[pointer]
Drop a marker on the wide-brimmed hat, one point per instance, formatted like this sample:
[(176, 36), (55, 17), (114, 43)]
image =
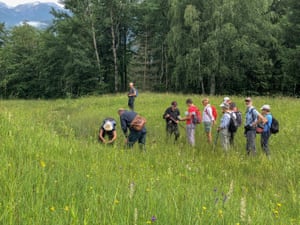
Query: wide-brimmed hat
[(108, 126), (265, 107), (224, 105)]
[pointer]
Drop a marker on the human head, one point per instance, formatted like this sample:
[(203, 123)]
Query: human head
[(131, 84), (248, 101), (265, 108), (174, 104), (226, 100), (232, 106), (108, 126), (225, 107), (120, 111), (205, 101), (189, 101)]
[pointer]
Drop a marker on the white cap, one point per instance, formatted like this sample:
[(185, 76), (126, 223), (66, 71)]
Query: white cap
[(108, 126), (266, 107), (226, 99)]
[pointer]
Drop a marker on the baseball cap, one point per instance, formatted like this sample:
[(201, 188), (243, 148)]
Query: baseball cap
[(226, 99)]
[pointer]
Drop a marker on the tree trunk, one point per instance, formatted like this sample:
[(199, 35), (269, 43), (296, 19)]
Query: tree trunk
[(114, 48)]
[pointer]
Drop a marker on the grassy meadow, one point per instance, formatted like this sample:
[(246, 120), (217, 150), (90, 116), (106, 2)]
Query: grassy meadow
[(54, 170)]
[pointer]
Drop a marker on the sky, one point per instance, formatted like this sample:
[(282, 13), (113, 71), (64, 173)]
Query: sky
[(18, 2)]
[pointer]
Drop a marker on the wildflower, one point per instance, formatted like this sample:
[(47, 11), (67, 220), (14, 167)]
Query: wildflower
[(66, 208), (148, 190), (52, 208), (153, 218), (204, 208), (278, 205), (220, 212), (42, 164), (117, 201), (148, 222)]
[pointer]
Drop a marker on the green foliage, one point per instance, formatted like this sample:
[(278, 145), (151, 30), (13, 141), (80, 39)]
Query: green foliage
[(54, 171)]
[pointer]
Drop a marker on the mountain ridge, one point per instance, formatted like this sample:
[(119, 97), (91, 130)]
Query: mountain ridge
[(36, 14)]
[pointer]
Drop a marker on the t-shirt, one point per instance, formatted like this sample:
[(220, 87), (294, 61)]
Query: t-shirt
[(174, 114), (191, 110)]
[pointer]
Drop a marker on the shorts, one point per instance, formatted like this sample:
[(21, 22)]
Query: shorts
[(207, 126)]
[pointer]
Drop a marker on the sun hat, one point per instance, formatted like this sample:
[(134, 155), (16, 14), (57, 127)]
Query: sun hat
[(108, 126), (224, 105), (265, 107)]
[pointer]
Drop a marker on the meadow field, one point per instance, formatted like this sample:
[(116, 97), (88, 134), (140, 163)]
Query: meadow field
[(54, 170)]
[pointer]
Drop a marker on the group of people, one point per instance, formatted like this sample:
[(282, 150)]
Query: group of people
[(253, 119), (172, 116)]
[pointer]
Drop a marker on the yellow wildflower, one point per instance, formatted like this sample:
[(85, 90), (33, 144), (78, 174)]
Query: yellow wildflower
[(52, 208), (42, 164)]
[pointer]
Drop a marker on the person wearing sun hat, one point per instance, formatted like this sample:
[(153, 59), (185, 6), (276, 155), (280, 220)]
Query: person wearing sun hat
[(108, 128), (251, 121), (265, 135), (224, 127)]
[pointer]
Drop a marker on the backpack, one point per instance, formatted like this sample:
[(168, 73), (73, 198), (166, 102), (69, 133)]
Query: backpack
[(214, 112), (274, 126), (138, 123), (196, 117), (238, 116), (233, 124), (136, 92)]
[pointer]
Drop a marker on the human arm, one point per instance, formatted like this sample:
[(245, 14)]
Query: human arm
[(101, 136), (114, 137)]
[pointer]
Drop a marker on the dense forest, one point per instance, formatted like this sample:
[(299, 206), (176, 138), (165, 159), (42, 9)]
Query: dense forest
[(190, 46)]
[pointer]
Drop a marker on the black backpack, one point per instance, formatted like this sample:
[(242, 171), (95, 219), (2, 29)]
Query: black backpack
[(274, 126), (233, 124), (238, 116)]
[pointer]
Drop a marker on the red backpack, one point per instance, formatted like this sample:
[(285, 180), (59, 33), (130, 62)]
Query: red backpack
[(214, 112)]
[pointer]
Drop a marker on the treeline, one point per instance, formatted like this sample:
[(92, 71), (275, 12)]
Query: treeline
[(199, 46)]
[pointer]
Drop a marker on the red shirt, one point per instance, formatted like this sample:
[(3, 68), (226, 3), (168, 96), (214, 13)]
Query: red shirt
[(192, 109)]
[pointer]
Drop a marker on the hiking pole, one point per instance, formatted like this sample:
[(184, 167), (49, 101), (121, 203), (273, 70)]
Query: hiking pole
[(216, 140)]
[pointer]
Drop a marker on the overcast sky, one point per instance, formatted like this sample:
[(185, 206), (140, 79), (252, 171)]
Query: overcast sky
[(18, 2)]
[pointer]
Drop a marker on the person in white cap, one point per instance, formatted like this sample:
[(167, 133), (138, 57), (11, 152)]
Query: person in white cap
[(227, 100), (108, 128), (265, 135), (253, 117)]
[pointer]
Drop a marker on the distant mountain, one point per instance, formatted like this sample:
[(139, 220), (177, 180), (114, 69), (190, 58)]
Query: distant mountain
[(36, 14)]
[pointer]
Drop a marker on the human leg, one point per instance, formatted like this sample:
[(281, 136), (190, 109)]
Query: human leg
[(250, 146), (264, 141), (190, 131)]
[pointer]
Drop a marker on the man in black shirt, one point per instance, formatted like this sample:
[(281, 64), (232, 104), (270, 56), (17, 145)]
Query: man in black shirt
[(172, 117), (126, 117)]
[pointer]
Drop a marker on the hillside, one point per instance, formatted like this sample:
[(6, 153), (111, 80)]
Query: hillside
[(36, 14)]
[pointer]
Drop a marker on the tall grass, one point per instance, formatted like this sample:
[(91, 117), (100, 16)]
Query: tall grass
[(54, 171)]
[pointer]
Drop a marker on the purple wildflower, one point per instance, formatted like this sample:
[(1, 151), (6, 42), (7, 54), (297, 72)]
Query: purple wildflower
[(153, 218)]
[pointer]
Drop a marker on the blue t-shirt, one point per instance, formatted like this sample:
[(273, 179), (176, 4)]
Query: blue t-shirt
[(268, 124), (251, 116)]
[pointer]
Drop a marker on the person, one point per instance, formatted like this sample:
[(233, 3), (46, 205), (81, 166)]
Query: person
[(126, 117), (108, 128), (208, 119), (131, 96), (238, 116), (227, 100), (190, 126), (224, 126), (172, 117), (252, 116), (265, 135)]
